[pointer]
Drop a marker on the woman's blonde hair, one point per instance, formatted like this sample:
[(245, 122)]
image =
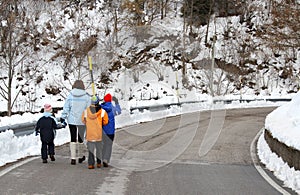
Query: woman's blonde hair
[(78, 84)]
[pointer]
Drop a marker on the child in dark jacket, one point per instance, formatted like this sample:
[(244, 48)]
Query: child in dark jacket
[(109, 129), (46, 126)]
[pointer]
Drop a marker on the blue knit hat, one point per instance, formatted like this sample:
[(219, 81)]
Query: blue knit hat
[(95, 100)]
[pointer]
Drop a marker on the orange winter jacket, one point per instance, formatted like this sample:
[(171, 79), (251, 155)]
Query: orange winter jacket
[(94, 122)]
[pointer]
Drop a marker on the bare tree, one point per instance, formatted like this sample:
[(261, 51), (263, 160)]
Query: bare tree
[(163, 8), (15, 46), (212, 3), (283, 29), (157, 69), (221, 82), (72, 47), (184, 37), (74, 54)]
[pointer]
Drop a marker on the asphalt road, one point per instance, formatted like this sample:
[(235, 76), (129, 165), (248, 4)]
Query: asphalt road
[(197, 153)]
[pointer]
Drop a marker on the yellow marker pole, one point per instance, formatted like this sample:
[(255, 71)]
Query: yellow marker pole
[(91, 72)]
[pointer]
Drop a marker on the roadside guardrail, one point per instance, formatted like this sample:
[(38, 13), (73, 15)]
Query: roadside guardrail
[(28, 128), (20, 129), (227, 101)]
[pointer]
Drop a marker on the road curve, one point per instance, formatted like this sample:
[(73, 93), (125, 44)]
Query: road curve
[(158, 157)]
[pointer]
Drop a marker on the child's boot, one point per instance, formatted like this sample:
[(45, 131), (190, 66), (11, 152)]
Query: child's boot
[(98, 163)]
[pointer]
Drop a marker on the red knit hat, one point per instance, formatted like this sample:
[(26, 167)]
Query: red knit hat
[(47, 108), (107, 98)]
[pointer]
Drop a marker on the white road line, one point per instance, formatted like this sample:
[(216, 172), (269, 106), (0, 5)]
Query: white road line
[(260, 169), (10, 168)]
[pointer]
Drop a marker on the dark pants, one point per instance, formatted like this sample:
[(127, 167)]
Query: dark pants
[(47, 148), (74, 133)]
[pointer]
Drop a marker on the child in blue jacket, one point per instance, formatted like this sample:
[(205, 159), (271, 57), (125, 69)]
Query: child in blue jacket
[(46, 126), (109, 129)]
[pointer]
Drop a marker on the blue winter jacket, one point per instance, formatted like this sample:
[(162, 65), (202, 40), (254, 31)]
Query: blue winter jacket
[(77, 101), (111, 110)]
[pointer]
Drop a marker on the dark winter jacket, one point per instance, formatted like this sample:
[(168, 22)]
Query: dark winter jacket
[(46, 126), (111, 110)]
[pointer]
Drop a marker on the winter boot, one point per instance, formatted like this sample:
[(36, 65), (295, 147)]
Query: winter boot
[(81, 151), (45, 161), (73, 152), (98, 163), (105, 164), (52, 157), (80, 160)]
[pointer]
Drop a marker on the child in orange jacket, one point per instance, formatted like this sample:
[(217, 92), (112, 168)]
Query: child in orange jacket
[(94, 117)]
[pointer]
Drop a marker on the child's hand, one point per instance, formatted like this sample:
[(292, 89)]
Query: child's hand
[(64, 124)]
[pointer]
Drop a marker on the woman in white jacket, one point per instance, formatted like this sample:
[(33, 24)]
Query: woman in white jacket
[(77, 101)]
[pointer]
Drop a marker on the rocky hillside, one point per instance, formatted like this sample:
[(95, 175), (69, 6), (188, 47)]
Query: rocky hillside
[(228, 55)]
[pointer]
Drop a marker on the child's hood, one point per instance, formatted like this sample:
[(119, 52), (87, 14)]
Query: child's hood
[(78, 92), (91, 115)]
